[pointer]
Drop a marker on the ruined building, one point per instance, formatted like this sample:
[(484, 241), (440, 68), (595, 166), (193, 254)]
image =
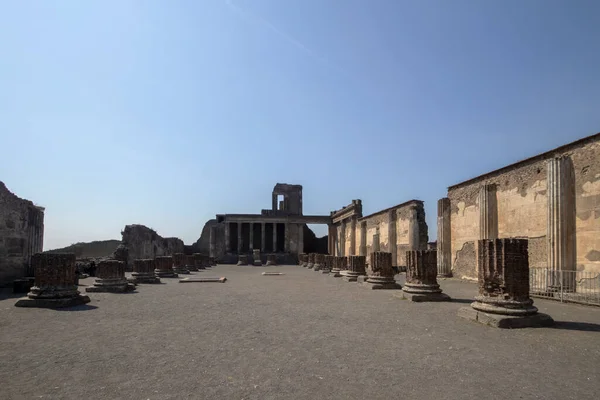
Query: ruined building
[(552, 199), (21, 235), (395, 230), (278, 230)]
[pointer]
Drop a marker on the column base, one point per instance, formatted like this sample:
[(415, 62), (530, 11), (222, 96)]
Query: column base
[(378, 282), (504, 307), (53, 303), (165, 274), (317, 267), (506, 321), (353, 277), (423, 297), (325, 271), (127, 287)]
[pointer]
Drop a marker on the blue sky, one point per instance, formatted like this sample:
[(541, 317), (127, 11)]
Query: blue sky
[(166, 113)]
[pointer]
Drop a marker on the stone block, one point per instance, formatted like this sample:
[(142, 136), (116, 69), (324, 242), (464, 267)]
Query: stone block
[(506, 321)]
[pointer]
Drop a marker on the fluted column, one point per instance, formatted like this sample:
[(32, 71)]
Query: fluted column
[(413, 229), (352, 237), (561, 237), (488, 212), (444, 251), (392, 242)]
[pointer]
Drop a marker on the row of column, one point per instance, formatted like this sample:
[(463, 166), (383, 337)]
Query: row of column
[(561, 214), (263, 242)]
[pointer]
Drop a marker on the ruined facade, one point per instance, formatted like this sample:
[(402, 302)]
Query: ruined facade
[(278, 230), (143, 243), (552, 199), (21, 235), (395, 230)]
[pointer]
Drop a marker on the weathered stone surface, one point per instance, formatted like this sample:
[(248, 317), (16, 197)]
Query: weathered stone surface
[(190, 263), (380, 274), (110, 277), (302, 259), (179, 262), (242, 259), (444, 244), (311, 261), (271, 259), (421, 277), (256, 260), (319, 261), (21, 236), (328, 264), (121, 253), (54, 283), (143, 271), (356, 268), (143, 242), (536, 320), (212, 262), (199, 261), (164, 267)]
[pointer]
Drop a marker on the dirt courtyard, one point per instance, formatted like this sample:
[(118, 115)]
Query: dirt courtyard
[(301, 335)]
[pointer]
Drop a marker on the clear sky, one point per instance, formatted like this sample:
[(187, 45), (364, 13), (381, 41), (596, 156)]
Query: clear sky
[(166, 113)]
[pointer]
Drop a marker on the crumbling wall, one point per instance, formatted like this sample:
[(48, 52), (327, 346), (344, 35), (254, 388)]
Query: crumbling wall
[(143, 242), (202, 245), (21, 235), (522, 208)]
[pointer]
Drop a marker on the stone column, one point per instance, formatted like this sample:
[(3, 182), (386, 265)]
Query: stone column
[(199, 261), (311, 261), (263, 241), (164, 267), (179, 264), (488, 212), (227, 238), (319, 261), (503, 277), (328, 264), (342, 239), (271, 259), (110, 277), (414, 239), (392, 241), (239, 232), (55, 282), (300, 238), (143, 271), (356, 268), (251, 238), (213, 241), (274, 237), (352, 236), (421, 277), (286, 238), (444, 256), (380, 274), (190, 263), (331, 239), (561, 239), (363, 238)]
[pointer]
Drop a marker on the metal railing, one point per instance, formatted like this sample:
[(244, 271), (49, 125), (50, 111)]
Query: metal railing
[(566, 286)]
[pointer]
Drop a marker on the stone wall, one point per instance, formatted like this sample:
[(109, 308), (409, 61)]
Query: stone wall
[(21, 235), (143, 242), (522, 208)]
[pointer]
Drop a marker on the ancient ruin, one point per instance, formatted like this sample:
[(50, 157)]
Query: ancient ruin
[(21, 236), (256, 261), (421, 277), (143, 242), (55, 283), (503, 299), (319, 261), (356, 268), (212, 262), (380, 274), (110, 277), (337, 267), (311, 261), (179, 261), (143, 271), (328, 264), (199, 262), (164, 267), (190, 263)]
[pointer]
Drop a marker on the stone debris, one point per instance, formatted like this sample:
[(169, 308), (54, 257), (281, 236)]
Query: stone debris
[(194, 279)]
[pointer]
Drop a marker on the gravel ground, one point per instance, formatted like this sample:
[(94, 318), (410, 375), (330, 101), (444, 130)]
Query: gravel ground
[(301, 335)]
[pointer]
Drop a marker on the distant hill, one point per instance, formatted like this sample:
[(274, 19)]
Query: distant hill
[(96, 249)]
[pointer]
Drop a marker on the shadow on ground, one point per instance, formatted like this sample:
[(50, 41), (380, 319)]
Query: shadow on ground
[(84, 307), (576, 326)]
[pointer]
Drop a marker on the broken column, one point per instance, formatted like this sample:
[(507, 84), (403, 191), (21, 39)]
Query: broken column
[(271, 259), (356, 268), (503, 278), (343, 265), (242, 259), (380, 274), (319, 260), (337, 265), (327, 264), (421, 277), (110, 277), (444, 256), (54, 285), (179, 264), (311, 261), (256, 258), (143, 271), (164, 267), (561, 236), (190, 263), (198, 261)]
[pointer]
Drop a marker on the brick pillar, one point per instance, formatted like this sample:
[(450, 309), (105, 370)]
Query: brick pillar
[(199, 261), (271, 259), (380, 274), (110, 277), (444, 256), (414, 237), (55, 283), (342, 238), (179, 262), (561, 239), (143, 271), (251, 238), (212, 247), (242, 259), (164, 267), (256, 260), (300, 238), (286, 237), (190, 263), (263, 241), (421, 277), (356, 268)]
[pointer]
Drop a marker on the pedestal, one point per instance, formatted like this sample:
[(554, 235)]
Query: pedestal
[(190, 263), (143, 272), (421, 277), (242, 259), (198, 261), (328, 264), (381, 273), (54, 285), (164, 267), (356, 268), (337, 267), (179, 264), (271, 259), (110, 278), (311, 261)]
